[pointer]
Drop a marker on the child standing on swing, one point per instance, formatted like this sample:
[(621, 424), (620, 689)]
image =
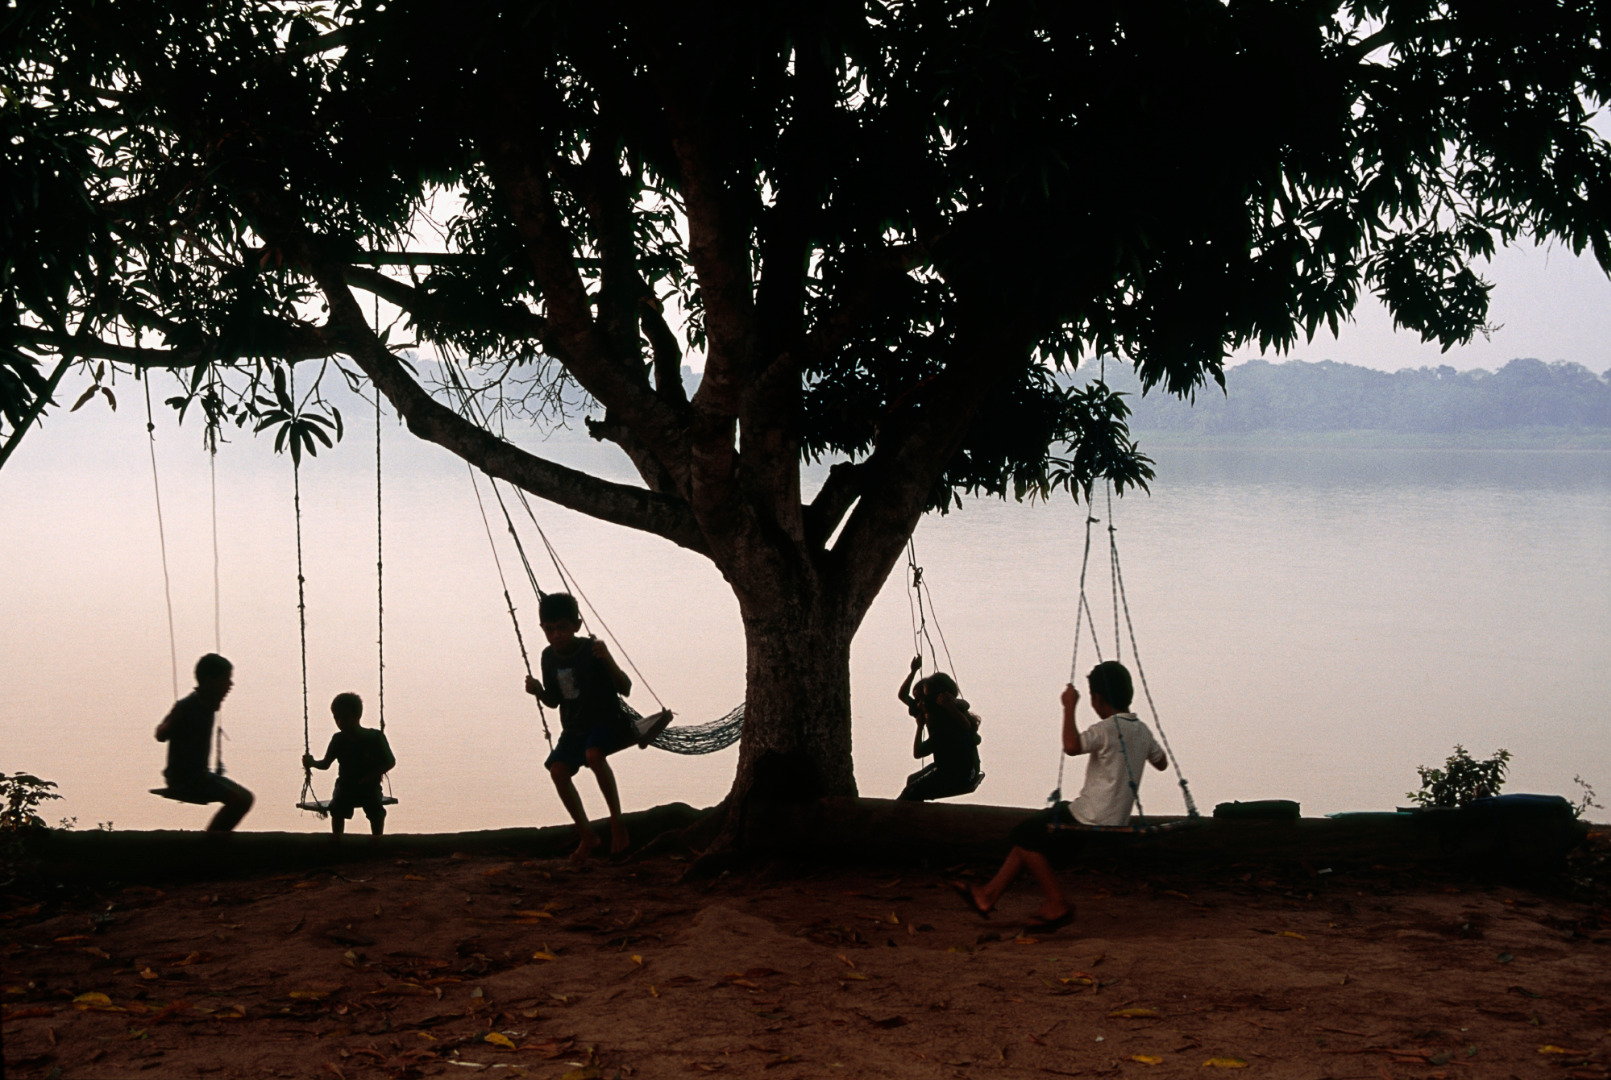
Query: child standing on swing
[(584, 681)]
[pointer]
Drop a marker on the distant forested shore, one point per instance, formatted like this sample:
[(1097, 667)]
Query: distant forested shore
[(1526, 402)]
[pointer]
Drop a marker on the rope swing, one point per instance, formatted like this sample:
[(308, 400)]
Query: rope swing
[(653, 730), (1083, 615)]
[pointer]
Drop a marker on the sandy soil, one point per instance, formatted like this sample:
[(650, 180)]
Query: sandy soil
[(454, 966)]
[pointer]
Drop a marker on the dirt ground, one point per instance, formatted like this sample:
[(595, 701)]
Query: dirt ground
[(465, 964)]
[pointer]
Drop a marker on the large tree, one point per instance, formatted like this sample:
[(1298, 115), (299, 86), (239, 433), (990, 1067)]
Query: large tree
[(883, 226)]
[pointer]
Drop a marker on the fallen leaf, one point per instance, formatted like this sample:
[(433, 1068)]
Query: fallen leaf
[(543, 954), (636, 959), (856, 976), (1134, 1013), (847, 961), (307, 885), (309, 995), (414, 877), (72, 939), (94, 997), (1022, 940), (148, 974), (193, 958), (1293, 934), (498, 1038), (1224, 1063), (23, 1012), (1550, 1048), (1148, 1059), (334, 1070)]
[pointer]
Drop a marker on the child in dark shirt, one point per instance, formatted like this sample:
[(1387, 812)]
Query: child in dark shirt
[(365, 757), (584, 681), (952, 737), (188, 731)]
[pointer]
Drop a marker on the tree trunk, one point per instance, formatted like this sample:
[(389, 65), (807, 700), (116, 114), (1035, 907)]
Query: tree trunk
[(796, 744)]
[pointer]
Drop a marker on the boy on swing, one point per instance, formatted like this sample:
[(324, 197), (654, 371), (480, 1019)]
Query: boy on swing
[(584, 681), (365, 756), (188, 731), (1120, 746)]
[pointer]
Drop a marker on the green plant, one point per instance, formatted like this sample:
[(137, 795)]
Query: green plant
[(20, 797), (1585, 798), (1461, 780)]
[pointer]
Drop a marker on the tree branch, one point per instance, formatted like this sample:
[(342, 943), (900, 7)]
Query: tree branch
[(301, 342), (620, 504)]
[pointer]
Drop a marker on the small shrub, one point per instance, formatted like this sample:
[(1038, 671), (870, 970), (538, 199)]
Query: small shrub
[(20, 798), (1585, 798), (1461, 780)]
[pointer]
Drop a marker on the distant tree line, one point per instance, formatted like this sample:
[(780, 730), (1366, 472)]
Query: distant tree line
[(1329, 396)]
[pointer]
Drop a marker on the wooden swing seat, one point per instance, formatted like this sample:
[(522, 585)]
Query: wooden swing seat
[(1146, 828), (322, 806), (179, 796)]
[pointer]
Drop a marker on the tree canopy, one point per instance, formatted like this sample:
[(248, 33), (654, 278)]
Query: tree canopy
[(884, 224)]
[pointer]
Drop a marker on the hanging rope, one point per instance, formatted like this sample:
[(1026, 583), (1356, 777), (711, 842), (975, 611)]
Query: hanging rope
[(1122, 601), (218, 633), (162, 535), (307, 795), (1082, 611), (520, 639), (380, 582), (920, 603)]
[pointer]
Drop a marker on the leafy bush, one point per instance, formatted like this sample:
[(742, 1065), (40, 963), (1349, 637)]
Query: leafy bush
[(20, 798), (1461, 780)]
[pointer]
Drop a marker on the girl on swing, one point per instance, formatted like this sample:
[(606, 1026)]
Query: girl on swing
[(952, 737)]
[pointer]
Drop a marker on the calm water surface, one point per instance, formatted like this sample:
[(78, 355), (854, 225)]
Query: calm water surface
[(1314, 625)]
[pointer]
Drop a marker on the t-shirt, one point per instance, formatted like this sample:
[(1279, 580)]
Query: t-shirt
[(1107, 797), (361, 752), (586, 688), (190, 734), (951, 740)]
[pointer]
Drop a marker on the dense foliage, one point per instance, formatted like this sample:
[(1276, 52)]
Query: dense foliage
[(1462, 780)]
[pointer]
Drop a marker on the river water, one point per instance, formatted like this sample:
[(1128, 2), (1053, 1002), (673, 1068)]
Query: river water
[(1313, 624)]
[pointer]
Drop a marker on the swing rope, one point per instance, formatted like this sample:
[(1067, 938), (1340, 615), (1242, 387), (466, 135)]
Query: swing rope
[(1135, 654), (380, 582), (1082, 611), (520, 639), (308, 795), (920, 604), (162, 536), (218, 634), (697, 739)]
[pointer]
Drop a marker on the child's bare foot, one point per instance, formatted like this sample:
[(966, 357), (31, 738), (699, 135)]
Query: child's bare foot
[(970, 897), (1049, 922), (585, 845), (619, 840)]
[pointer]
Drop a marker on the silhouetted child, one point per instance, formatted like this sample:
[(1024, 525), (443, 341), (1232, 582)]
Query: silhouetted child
[(952, 737), (365, 757), (584, 681), (188, 731), (1120, 747)]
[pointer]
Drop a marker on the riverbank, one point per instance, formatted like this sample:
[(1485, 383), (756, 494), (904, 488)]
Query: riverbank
[(414, 960)]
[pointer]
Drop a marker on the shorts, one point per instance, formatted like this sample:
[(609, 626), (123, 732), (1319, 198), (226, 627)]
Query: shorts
[(573, 746), (208, 788), (348, 797), (1034, 833)]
